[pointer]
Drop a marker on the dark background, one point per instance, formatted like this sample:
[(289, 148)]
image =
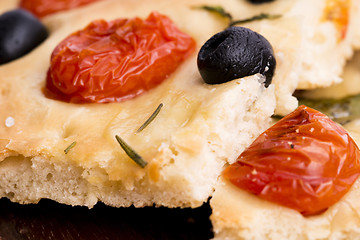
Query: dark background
[(50, 220)]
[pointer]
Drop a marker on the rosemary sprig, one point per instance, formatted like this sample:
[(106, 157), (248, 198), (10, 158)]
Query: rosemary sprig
[(261, 16), (131, 153), (70, 147), (223, 13), (218, 10), (151, 118)]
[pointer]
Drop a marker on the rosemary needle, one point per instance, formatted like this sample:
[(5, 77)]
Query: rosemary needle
[(223, 13), (217, 9), (261, 16), (70, 147), (151, 118), (130, 152)]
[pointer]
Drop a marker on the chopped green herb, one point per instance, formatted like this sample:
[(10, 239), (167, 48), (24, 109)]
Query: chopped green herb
[(69, 147), (130, 152), (223, 13), (151, 118)]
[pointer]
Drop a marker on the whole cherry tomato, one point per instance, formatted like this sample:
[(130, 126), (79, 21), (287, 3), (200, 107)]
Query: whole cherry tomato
[(42, 8), (305, 162), (117, 60)]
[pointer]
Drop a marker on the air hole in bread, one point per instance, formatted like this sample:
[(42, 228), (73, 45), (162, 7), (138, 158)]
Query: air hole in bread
[(49, 176), (174, 152), (10, 195)]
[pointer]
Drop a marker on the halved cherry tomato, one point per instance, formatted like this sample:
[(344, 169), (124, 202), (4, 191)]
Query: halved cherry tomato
[(338, 11), (117, 60), (305, 162), (42, 8)]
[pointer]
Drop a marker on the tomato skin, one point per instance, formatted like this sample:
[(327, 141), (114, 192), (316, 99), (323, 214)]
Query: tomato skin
[(42, 8), (117, 60), (305, 162)]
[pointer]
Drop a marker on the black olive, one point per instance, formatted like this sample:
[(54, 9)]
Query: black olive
[(260, 1), (20, 32), (235, 53)]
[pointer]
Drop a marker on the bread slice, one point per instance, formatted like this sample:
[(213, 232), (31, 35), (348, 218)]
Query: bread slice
[(186, 146), (356, 22), (239, 215), (198, 130), (350, 86), (307, 40), (308, 45)]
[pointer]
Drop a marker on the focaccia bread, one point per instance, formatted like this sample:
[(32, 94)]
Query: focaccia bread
[(199, 128), (308, 37), (310, 43), (238, 214), (348, 87), (356, 20)]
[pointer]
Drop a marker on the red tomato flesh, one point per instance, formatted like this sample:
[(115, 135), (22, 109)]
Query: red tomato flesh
[(117, 60), (305, 162), (42, 8)]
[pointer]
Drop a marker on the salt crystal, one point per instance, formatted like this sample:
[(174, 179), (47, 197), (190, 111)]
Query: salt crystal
[(9, 122)]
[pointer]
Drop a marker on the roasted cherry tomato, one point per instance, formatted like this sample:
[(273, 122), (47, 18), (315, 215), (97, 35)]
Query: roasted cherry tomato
[(41, 8), (305, 162), (117, 60), (338, 11)]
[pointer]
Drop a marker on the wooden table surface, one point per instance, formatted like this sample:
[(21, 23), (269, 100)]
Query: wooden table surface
[(49, 220)]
